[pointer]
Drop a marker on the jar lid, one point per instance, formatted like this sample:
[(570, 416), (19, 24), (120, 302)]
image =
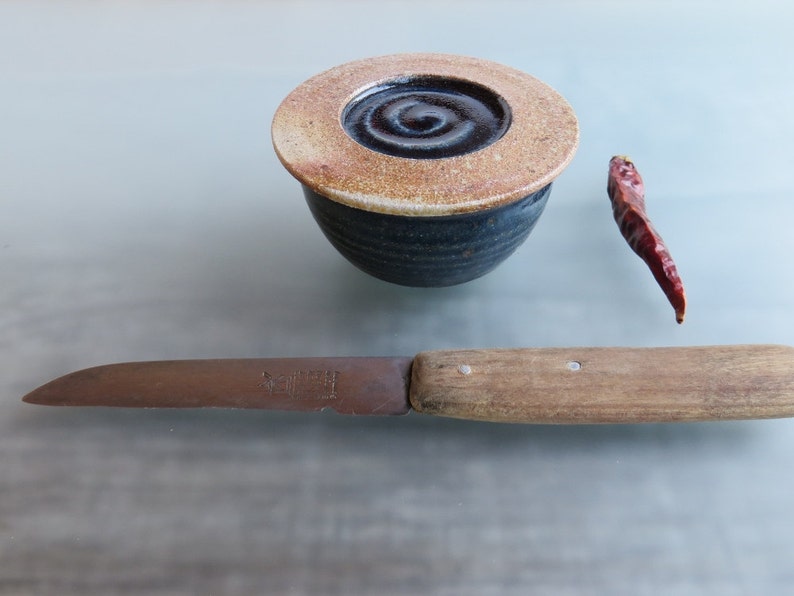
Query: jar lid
[(424, 134)]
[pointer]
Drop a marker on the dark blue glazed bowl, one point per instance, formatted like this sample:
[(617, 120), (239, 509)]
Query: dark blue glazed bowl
[(425, 169), (427, 251)]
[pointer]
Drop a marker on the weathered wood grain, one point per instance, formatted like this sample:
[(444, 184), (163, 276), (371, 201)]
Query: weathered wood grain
[(606, 385)]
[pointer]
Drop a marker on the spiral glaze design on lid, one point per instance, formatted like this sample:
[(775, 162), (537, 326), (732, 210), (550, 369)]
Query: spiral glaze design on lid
[(419, 163), (427, 118)]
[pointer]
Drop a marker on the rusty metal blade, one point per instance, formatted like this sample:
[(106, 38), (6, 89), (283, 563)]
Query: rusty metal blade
[(357, 386)]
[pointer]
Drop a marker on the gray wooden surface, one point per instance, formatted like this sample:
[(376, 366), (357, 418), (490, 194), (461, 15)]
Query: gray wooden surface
[(143, 215)]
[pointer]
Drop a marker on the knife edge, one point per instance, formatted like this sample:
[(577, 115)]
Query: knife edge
[(353, 386)]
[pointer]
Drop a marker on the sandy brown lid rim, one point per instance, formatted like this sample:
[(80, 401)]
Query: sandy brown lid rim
[(310, 141)]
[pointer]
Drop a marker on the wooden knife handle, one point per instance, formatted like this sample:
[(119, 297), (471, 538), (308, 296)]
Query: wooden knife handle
[(606, 385)]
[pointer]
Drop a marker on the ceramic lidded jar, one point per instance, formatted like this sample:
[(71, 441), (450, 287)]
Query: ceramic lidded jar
[(425, 169)]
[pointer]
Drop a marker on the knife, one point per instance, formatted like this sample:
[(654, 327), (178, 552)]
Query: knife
[(532, 385)]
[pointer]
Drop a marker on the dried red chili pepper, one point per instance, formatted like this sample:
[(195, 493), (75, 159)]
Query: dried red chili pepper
[(627, 193)]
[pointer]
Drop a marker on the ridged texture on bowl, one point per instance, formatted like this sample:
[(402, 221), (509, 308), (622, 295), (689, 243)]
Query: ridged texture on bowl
[(427, 251)]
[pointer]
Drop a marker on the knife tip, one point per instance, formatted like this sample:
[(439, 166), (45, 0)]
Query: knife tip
[(67, 390), (49, 394), (36, 398)]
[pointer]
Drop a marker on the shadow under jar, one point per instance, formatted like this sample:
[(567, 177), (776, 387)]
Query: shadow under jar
[(425, 169)]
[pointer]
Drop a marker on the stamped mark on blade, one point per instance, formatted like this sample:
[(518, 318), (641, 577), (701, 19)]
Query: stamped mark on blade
[(302, 384)]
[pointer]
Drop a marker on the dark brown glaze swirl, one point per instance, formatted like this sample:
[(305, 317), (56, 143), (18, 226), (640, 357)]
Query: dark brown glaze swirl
[(426, 118)]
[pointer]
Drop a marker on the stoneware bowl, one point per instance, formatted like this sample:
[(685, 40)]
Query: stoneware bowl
[(425, 169)]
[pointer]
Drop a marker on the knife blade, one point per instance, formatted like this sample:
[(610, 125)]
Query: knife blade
[(528, 385)]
